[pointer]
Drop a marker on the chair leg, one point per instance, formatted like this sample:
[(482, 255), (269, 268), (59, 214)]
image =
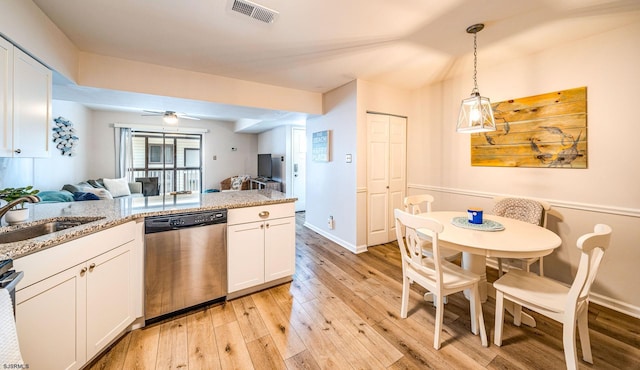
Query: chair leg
[(583, 331), (405, 297), (499, 266), (439, 318), (569, 342), (478, 316), (497, 335), (541, 267)]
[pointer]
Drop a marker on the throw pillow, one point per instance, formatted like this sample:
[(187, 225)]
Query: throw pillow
[(236, 183), (117, 187), (80, 196), (96, 184), (101, 193), (55, 196), (72, 188)]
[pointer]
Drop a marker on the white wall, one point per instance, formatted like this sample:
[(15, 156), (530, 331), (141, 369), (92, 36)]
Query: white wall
[(607, 191), (24, 24), (217, 142), (277, 141), (53, 172), (331, 186)]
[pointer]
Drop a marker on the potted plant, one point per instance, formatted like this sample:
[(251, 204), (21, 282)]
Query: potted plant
[(18, 213)]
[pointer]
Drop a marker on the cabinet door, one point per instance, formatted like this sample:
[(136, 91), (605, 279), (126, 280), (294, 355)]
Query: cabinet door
[(51, 317), (31, 106), (109, 297), (245, 255), (6, 91), (279, 248)]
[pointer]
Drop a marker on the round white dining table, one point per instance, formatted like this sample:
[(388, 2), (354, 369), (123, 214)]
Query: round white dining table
[(518, 240)]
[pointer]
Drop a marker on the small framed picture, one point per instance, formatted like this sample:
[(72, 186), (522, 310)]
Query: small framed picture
[(320, 146)]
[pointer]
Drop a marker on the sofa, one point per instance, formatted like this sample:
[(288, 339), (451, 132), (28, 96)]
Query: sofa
[(93, 190), (236, 183)]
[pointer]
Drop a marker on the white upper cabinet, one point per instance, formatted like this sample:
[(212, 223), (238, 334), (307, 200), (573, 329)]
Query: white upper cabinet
[(6, 98), (25, 104)]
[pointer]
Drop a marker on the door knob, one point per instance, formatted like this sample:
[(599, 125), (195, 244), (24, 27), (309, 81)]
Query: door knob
[(18, 151)]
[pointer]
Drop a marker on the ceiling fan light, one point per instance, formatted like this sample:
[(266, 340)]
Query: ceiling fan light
[(476, 115), (170, 118)]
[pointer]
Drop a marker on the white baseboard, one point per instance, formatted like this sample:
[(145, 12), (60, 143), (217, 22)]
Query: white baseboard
[(348, 246)]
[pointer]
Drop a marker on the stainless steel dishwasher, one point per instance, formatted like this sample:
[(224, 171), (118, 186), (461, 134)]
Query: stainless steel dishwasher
[(185, 262)]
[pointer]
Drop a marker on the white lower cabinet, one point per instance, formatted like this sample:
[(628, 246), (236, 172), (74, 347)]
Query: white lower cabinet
[(50, 317), (65, 319), (260, 251), (109, 303)]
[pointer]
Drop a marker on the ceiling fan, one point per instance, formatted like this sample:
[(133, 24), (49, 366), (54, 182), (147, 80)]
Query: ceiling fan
[(168, 116)]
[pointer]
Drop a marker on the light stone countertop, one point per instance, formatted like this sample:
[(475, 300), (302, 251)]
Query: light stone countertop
[(121, 210)]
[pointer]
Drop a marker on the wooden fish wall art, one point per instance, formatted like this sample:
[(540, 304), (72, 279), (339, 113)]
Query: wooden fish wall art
[(547, 130)]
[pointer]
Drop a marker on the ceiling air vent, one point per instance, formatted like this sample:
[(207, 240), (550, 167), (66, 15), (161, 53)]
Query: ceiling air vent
[(254, 10)]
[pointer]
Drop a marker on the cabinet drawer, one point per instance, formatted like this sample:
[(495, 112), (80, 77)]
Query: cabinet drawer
[(260, 213), (40, 265)]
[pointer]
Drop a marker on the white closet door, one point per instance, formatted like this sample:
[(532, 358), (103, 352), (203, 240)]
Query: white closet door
[(397, 168), (386, 174)]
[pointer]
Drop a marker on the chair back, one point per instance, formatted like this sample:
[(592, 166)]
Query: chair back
[(411, 245), (412, 203), (593, 246), (522, 209)]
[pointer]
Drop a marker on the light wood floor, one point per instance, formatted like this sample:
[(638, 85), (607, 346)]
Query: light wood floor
[(342, 312)]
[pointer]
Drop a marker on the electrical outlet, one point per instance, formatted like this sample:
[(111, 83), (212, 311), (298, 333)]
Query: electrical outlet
[(330, 223)]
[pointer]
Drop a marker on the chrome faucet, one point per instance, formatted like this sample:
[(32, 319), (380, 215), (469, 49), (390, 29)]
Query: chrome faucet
[(27, 198)]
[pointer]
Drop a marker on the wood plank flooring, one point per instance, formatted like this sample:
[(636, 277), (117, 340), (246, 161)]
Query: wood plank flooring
[(341, 311)]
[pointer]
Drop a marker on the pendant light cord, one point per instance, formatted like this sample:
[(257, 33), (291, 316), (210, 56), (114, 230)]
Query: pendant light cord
[(475, 63)]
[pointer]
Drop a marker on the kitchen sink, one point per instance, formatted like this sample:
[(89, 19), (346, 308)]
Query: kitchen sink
[(47, 227)]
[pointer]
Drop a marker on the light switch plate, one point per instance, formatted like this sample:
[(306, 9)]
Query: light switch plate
[(348, 158)]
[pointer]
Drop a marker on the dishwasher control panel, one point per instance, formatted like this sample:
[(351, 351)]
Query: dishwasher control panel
[(156, 224)]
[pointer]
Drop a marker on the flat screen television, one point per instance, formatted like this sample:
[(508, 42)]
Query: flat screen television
[(264, 166)]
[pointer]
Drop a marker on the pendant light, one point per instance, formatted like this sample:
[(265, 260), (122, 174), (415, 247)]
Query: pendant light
[(476, 114)]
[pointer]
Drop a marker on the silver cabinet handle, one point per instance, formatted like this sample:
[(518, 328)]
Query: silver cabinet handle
[(18, 151), (263, 214)]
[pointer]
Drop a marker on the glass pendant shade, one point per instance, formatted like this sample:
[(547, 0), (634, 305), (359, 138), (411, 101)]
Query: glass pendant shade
[(476, 115)]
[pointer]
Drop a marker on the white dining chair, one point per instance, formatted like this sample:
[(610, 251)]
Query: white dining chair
[(434, 273), (527, 210), (567, 305), (416, 204)]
